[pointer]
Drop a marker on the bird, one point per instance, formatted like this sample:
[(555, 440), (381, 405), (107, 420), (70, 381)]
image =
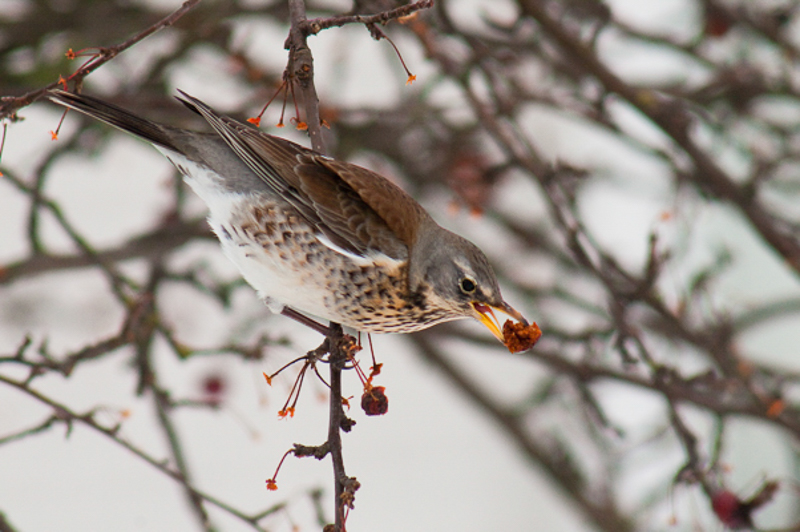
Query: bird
[(317, 235)]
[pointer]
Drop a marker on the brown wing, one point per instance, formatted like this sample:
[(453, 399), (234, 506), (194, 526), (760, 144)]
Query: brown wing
[(356, 209), (398, 210)]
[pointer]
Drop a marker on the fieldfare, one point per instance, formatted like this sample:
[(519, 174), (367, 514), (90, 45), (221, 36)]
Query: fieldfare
[(321, 236)]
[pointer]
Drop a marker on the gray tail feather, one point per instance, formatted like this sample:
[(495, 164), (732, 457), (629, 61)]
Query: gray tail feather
[(115, 116), (192, 103)]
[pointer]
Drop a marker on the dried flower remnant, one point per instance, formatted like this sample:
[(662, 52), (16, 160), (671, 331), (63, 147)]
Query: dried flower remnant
[(776, 408), (374, 401)]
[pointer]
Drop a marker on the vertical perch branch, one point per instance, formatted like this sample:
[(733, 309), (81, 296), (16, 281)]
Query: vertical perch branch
[(335, 418), (300, 70)]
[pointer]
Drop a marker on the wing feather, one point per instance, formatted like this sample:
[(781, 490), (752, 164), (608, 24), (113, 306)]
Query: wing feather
[(356, 209)]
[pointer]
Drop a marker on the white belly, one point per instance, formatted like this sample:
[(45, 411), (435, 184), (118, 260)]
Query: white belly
[(287, 263)]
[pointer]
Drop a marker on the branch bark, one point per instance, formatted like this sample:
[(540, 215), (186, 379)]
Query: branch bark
[(9, 105), (300, 68), (674, 119)]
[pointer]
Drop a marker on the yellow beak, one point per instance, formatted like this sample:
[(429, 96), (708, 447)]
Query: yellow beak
[(487, 317)]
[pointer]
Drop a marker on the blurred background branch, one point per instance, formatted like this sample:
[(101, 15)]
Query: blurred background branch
[(632, 172)]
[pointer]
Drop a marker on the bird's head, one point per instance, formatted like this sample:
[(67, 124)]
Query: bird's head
[(459, 278)]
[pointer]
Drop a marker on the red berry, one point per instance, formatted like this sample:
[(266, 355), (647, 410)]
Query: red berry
[(730, 510), (214, 388), (374, 402)]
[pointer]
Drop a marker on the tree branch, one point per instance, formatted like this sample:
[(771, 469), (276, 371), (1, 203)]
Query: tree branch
[(9, 105), (314, 26)]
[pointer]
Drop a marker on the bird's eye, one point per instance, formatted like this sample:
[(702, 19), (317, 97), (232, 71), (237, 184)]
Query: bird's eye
[(468, 285)]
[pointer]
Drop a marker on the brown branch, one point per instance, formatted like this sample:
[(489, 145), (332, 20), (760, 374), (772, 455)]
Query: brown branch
[(598, 507), (335, 417), (301, 69), (5, 525), (10, 105), (163, 408), (673, 118), (718, 395), (630, 315), (305, 320), (314, 26), (148, 245), (143, 334), (69, 417)]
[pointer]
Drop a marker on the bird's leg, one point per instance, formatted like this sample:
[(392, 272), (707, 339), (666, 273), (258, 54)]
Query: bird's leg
[(305, 320)]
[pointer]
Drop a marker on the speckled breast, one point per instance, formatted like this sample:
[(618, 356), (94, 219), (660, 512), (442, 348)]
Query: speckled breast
[(282, 257)]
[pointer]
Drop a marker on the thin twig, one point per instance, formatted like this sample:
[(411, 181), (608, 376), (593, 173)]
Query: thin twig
[(68, 416), (602, 513), (9, 105), (674, 119), (316, 25)]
